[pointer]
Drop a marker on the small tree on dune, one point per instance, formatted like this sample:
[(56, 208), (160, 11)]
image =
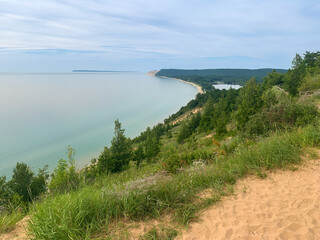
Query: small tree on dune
[(117, 157)]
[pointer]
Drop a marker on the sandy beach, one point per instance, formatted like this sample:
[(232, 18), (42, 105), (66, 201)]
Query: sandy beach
[(200, 90), (154, 72), (285, 205)]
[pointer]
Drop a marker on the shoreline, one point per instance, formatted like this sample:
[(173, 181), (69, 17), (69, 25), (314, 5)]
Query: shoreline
[(154, 72), (200, 90)]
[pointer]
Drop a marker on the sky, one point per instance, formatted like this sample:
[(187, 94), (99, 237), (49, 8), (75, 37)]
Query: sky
[(142, 35)]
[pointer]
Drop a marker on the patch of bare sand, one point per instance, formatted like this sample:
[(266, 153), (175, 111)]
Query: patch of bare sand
[(152, 73), (285, 205), (18, 233), (184, 116)]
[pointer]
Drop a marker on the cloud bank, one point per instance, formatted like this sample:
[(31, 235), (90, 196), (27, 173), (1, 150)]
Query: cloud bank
[(56, 35)]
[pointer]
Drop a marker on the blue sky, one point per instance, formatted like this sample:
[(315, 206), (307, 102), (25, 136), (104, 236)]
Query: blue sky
[(62, 35)]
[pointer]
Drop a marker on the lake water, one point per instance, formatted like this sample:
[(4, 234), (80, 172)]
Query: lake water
[(41, 114), (226, 86)]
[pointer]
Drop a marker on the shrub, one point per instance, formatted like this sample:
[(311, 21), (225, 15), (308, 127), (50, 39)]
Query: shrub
[(310, 83), (173, 163), (283, 115), (176, 161), (65, 177)]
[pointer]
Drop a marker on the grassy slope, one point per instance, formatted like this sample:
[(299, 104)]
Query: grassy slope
[(139, 195)]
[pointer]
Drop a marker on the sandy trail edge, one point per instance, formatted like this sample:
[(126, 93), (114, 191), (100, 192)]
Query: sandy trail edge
[(283, 206), (18, 233)]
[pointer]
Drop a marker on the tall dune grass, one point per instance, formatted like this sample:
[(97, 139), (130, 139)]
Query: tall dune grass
[(80, 214), (9, 220)]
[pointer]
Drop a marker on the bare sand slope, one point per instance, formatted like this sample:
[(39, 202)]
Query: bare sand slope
[(285, 205)]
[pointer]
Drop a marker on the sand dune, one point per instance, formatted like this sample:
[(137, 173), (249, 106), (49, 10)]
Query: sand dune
[(285, 205)]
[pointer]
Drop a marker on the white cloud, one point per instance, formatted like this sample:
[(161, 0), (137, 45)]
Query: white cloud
[(154, 28)]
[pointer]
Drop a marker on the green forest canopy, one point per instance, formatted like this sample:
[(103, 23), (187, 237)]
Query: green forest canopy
[(235, 76)]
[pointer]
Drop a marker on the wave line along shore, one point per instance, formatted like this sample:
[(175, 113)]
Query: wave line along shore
[(154, 72)]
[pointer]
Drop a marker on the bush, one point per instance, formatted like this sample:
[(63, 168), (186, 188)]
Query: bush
[(173, 163), (310, 83), (283, 115), (65, 177), (176, 161)]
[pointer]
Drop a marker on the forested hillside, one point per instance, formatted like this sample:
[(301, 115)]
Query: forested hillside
[(207, 77), (218, 138)]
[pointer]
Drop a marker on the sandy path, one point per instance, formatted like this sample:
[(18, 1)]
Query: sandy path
[(18, 233), (285, 205)]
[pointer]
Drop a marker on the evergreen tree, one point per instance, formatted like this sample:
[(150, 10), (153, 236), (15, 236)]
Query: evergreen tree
[(21, 181), (120, 149), (207, 121), (152, 147), (195, 122), (249, 102), (105, 161), (187, 129), (272, 79), (184, 132), (138, 156), (221, 124), (300, 67), (117, 157)]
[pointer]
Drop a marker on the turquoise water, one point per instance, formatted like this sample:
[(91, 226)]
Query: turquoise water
[(41, 114)]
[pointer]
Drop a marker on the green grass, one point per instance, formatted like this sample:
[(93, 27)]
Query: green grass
[(9, 220), (81, 214), (160, 234)]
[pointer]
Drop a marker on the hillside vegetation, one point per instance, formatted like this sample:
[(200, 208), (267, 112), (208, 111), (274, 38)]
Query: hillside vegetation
[(207, 77), (173, 170)]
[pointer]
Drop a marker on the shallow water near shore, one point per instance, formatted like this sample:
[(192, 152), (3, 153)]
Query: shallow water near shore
[(41, 114)]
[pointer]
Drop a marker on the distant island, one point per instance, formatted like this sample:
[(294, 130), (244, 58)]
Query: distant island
[(97, 71)]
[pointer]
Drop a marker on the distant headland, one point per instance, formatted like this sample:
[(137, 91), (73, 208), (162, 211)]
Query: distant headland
[(215, 76), (153, 72)]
